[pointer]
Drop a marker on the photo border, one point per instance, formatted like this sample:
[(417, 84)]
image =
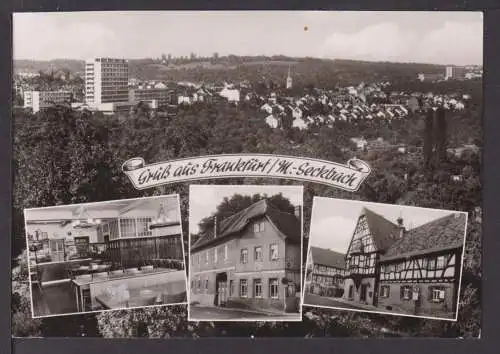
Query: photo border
[(177, 197), (454, 319), (235, 187)]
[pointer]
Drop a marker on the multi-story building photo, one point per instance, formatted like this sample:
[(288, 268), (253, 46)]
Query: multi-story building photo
[(399, 260), (106, 255), (106, 84), (245, 258)]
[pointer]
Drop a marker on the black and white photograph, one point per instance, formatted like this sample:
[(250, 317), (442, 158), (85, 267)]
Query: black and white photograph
[(385, 258), (105, 256), (399, 91), (245, 253)]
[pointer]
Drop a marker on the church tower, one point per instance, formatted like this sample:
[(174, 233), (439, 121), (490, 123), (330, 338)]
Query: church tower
[(289, 79)]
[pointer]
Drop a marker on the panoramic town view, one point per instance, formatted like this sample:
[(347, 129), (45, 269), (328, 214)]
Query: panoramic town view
[(391, 89)]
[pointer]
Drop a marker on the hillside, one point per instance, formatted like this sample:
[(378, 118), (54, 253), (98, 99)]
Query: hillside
[(305, 71)]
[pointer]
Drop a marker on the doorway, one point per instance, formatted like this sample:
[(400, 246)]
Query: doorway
[(362, 295), (57, 251), (221, 291)]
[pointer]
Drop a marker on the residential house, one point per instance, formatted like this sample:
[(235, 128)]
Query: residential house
[(325, 272), (252, 259)]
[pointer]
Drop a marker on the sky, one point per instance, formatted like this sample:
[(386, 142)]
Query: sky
[(454, 38), (203, 199), (333, 220)]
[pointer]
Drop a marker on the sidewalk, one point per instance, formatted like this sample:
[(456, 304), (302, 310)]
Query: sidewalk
[(270, 313), (357, 305)]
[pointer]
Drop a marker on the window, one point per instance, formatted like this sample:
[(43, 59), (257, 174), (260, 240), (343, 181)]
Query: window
[(257, 288), (405, 292), (215, 255), (273, 288), (244, 256), (225, 252), (143, 227), (127, 228), (221, 253), (259, 227), (258, 253), (385, 291), (231, 287), (273, 252), (206, 284), (243, 288), (206, 257), (437, 294), (431, 264), (440, 262)]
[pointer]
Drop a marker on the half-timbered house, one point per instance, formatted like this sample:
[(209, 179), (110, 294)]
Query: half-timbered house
[(372, 236), (325, 271), (414, 271), (420, 273)]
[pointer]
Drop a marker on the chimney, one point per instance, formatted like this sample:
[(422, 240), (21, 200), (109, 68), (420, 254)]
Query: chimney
[(401, 227), (297, 211)]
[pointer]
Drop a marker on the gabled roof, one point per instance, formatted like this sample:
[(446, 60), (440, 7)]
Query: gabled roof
[(445, 233), (287, 223), (383, 231), (323, 256)]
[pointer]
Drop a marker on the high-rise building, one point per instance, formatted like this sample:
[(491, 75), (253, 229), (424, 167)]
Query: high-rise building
[(448, 72), (106, 82)]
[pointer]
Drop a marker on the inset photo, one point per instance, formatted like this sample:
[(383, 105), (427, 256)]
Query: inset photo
[(385, 258), (245, 253), (102, 256)]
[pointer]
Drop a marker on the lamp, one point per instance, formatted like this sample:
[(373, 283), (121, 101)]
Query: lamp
[(84, 220)]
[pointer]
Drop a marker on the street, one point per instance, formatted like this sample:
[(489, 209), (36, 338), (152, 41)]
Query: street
[(197, 313), (313, 299)]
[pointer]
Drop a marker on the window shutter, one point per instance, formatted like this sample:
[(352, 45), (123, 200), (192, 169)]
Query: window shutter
[(430, 289), (441, 294)]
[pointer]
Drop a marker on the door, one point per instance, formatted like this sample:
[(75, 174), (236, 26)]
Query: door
[(222, 293), (351, 291), (362, 295), (82, 245), (56, 250)]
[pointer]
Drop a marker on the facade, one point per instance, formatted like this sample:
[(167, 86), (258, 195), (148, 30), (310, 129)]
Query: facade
[(252, 260), (38, 100), (325, 272), (162, 96), (106, 82), (414, 271)]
